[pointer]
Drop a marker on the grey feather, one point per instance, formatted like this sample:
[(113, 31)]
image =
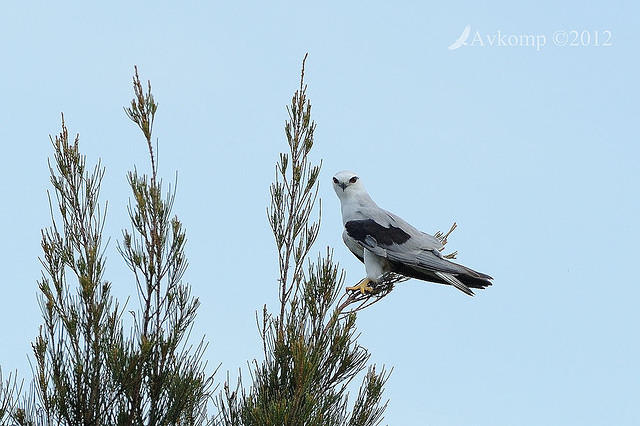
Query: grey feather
[(455, 282)]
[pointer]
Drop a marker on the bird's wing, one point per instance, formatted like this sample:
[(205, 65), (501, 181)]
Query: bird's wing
[(399, 246), (388, 236), (426, 241), (355, 247)]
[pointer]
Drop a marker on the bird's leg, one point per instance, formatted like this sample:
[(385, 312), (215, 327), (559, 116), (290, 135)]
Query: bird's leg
[(363, 286)]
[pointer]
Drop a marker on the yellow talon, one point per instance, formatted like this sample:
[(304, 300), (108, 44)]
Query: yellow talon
[(362, 286)]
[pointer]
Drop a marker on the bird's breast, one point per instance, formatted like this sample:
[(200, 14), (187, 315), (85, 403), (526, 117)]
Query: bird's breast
[(352, 211)]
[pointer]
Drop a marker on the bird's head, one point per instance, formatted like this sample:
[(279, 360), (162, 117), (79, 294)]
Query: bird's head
[(347, 184)]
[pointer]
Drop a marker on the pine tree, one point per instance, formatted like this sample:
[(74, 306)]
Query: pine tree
[(9, 389), (161, 379), (311, 353), (88, 370), (81, 321)]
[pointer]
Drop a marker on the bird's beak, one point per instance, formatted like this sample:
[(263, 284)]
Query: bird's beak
[(343, 186)]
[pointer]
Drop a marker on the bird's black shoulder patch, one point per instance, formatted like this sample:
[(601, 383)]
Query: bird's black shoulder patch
[(360, 229)]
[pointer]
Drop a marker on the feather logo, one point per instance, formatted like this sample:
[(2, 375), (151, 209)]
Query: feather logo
[(462, 40)]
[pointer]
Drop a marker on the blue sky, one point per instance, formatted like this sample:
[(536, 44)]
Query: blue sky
[(533, 152)]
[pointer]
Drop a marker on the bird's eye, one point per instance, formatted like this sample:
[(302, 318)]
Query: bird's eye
[(335, 181), (353, 179)]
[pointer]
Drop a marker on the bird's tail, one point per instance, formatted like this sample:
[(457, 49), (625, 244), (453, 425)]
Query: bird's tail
[(451, 279), (473, 279), (461, 277)]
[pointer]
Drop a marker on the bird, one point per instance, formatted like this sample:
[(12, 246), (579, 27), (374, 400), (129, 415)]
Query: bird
[(462, 40), (386, 243)]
